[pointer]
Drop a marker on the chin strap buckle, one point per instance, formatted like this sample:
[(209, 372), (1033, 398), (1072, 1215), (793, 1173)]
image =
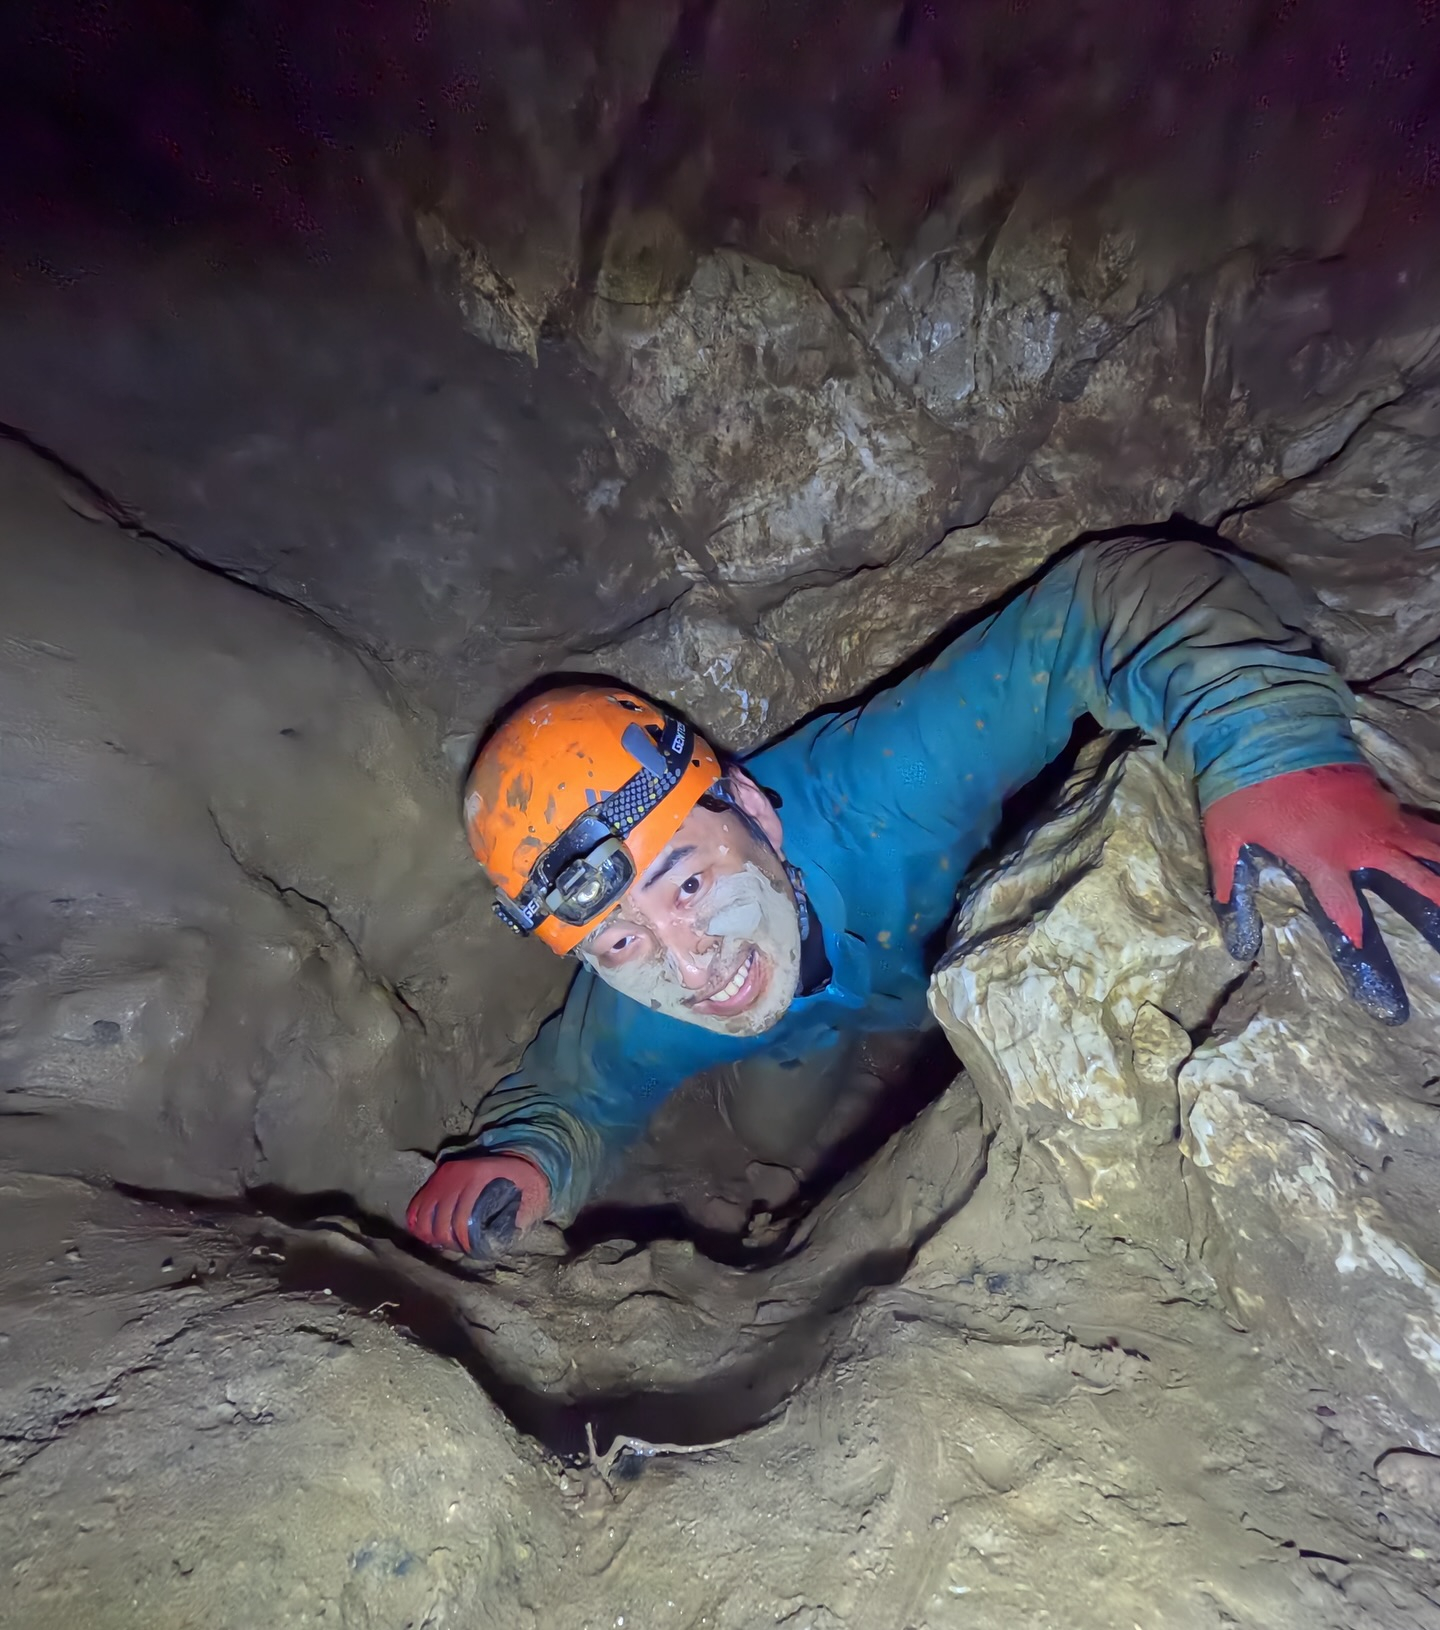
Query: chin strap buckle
[(802, 900)]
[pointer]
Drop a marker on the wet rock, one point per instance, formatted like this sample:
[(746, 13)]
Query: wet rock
[(239, 913), (1358, 534), (788, 455), (859, 455), (709, 658), (720, 1345), (1246, 1127)]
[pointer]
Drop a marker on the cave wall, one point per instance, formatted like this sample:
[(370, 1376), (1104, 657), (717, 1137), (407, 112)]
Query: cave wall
[(587, 357), (804, 332), (240, 921), (735, 350)]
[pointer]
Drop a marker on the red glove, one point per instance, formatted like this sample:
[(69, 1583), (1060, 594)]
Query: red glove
[(478, 1205), (1334, 830)]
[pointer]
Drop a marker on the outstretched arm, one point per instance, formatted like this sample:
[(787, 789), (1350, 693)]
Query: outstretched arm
[(1171, 637), (1163, 635)]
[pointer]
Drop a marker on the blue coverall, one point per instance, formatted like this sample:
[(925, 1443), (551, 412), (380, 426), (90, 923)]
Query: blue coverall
[(884, 806)]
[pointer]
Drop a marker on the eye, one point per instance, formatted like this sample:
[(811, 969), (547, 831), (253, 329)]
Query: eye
[(615, 947), (691, 886)]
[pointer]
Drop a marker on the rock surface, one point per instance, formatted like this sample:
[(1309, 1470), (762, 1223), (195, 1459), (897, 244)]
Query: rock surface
[(1245, 1131), (239, 913), (638, 343), (397, 367), (1013, 1383), (193, 1448)]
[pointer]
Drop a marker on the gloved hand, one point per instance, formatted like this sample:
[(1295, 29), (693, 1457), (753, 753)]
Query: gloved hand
[(478, 1205), (1334, 830)]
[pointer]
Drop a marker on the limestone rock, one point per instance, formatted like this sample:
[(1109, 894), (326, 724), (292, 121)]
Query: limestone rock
[(1248, 1125), (1359, 532), (788, 455), (709, 658), (494, 309), (979, 391), (246, 912)]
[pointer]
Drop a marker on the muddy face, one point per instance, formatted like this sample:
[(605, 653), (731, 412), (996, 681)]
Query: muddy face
[(710, 934)]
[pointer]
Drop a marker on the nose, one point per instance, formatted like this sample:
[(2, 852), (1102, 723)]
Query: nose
[(693, 956)]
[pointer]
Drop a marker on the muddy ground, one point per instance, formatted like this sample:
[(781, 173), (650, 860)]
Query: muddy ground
[(998, 1424)]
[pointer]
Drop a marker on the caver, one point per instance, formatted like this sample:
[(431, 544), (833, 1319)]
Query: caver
[(767, 910)]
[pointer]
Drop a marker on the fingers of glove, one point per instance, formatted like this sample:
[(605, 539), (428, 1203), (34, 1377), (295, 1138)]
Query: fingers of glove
[(437, 1206), (1239, 912), (421, 1213), (1333, 890), (1364, 962), (1419, 907), (493, 1218), (1422, 838), (455, 1216), (440, 1210), (1223, 848), (1419, 876), (1237, 908)]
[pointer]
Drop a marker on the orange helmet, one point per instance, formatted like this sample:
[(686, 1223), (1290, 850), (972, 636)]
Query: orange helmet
[(573, 797)]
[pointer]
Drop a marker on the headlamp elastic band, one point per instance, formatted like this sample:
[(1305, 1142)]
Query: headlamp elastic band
[(585, 858)]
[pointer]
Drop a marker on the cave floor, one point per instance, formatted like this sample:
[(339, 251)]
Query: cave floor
[(998, 1417)]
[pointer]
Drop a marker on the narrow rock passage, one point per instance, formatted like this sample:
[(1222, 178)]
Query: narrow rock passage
[(358, 371)]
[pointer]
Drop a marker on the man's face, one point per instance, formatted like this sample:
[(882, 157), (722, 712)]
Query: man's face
[(710, 932)]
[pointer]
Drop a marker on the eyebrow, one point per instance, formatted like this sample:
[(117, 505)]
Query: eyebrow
[(665, 863)]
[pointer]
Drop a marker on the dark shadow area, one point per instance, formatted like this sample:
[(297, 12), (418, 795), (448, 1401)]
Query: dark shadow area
[(305, 1258), (904, 1094), (717, 1406), (274, 124), (905, 1074)]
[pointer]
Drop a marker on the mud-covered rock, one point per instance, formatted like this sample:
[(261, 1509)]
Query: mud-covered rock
[(185, 1446), (244, 938), (1246, 1127), (184, 1443)]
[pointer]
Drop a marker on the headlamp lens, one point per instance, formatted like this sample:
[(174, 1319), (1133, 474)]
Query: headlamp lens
[(591, 884)]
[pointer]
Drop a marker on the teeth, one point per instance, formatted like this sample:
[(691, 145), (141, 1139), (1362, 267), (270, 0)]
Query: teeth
[(733, 988)]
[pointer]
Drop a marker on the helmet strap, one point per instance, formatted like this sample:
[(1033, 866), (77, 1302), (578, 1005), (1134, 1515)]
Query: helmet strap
[(802, 900)]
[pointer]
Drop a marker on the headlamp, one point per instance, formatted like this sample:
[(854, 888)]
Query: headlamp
[(587, 868)]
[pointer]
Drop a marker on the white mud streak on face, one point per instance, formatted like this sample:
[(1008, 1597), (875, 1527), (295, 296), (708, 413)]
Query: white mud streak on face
[(749, 910)]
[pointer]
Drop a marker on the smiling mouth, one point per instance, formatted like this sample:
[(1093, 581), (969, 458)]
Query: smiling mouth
[(737, 992)]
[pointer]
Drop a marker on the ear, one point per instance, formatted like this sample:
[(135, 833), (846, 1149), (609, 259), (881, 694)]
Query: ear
[(758, 807)]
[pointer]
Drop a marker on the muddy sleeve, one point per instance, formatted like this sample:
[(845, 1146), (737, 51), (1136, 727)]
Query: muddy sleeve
[(1167, 636), (585, 1088)]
